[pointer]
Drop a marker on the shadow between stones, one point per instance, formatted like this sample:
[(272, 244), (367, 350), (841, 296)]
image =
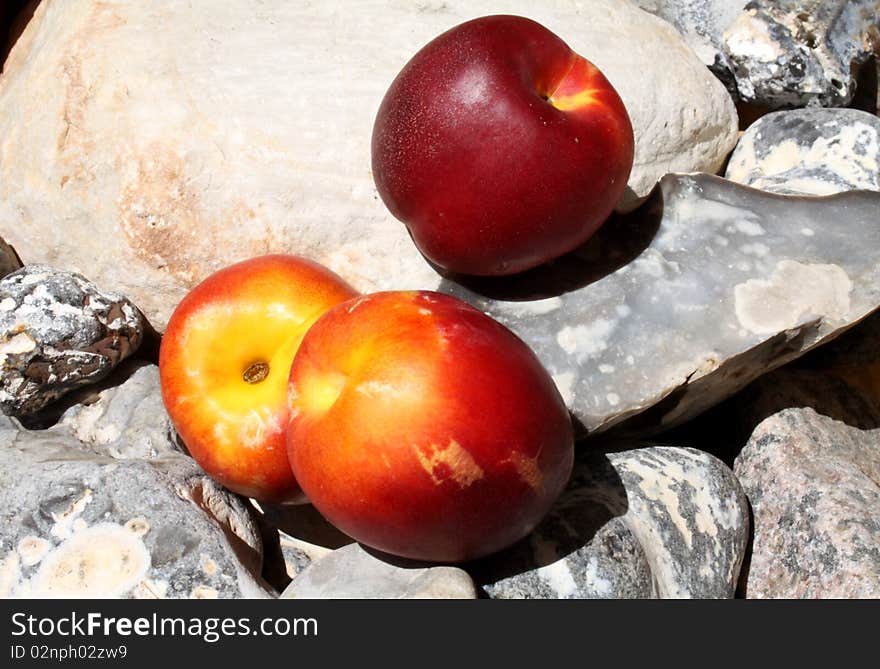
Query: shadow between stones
[(830, 379), (619, 241), (304, 522)]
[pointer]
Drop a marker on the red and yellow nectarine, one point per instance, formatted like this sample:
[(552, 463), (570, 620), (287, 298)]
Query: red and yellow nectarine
[(423, 428), (224, 362)]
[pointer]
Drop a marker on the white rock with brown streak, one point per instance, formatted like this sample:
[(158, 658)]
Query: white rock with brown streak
[(148, 144)]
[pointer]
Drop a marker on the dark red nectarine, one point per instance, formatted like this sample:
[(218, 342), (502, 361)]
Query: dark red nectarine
[(500, 148)]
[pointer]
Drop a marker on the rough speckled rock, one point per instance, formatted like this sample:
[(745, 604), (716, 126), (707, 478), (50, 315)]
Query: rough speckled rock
[(651, 522), (59, 332), (814, 487), (794, 53), (351, 572), (810, 152), (101, 518), (149, 162), (686, 301)]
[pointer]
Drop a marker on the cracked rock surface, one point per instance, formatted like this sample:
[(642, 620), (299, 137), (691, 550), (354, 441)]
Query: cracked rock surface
[(59, 332)]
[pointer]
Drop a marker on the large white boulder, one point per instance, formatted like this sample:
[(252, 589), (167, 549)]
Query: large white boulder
[(148, 144)]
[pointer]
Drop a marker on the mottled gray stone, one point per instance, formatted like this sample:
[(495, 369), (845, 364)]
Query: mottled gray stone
[(686, 301), (702, 24), (611, 565), (128, 420), (810, 152), (794, 53), (651, 522), (59, 332), (74, 523), (351, 572), (814, 487), (298, 554)]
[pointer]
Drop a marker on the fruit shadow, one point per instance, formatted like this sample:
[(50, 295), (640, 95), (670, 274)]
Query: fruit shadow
[(620, 240), (594, 496)]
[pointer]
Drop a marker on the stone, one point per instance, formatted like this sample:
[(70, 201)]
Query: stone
[(248, 131), (298, 554), (702, 24), (671, 309), (797, 53), (814, 487), (809, 152), (59, 332), (82, 514), (125, 421), (649, 522), (351, 572), (9, 260)]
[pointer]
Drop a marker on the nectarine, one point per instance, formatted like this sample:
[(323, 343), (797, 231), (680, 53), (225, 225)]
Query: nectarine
[(424, 428), (224, 361), (500, 148)]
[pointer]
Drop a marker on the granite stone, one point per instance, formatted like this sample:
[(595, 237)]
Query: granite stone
[(814, 487)]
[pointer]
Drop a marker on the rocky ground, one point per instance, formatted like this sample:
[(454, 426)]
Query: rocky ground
[(716, 341)]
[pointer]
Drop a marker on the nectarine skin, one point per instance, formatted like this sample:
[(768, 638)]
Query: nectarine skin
[(500, 148), (224, 361), (424, 428)]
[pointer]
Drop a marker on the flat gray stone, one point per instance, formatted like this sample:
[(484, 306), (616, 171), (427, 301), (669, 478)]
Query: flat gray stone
[(814, 487), (78, 523), (686, 301), (650, 522), (59, 332), (795, 53), (809, 152), (351, 572)]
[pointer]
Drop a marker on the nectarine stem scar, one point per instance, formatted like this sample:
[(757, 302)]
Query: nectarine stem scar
[(256, 372)]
